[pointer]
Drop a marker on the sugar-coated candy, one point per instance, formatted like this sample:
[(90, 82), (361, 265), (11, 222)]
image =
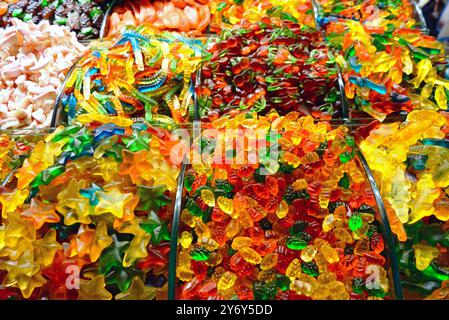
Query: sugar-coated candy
[(33, 62)]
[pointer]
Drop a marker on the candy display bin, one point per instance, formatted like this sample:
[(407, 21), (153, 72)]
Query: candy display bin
[(416, 198), (372, 12), (410, 170), (234, 81), (135, 229), (207, 263), (85, 89), (135, 12)]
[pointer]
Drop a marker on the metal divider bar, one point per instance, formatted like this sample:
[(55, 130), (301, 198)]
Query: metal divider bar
[(390, 242)]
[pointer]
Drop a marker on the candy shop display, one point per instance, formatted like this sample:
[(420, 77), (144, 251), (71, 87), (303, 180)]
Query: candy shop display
[(34, 59), (137, 74), (92, 201), (222, 149), (397, 13), (411, 164), (303, 227), (389, 71), (84, 17), (230, 12), (178, 15), (265, 65)]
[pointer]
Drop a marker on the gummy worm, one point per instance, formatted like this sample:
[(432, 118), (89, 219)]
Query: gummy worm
[(132, 101)]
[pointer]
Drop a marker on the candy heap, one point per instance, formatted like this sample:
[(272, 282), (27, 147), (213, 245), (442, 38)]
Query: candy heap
[(84, 17), (136, 74), (227, 13), (89, 215), (33, 62), (178, 15), (303, 227), (266, 65), (388, 71), (410, 162), (397, 13)]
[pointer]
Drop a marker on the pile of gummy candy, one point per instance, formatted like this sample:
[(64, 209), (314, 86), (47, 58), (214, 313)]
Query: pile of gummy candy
[(250, 149)]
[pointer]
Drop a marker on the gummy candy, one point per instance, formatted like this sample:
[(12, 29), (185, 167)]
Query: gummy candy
[(265, 65), (227, 13), (389, 71), (397, 13), (409, 162), (137, 74), (78, 227), (268, 230)]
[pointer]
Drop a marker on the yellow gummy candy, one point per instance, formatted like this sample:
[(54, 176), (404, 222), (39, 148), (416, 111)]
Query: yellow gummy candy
[(293, 269), (269, 261), (241, 242), (226, 281), (225, 204), (424, 254), (208, 197), (250, 255)]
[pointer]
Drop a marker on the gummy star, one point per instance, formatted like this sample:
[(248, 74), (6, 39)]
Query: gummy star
[(39, 213), (101, 240), (131, 226), (135, 164), (90, 242), (137, 248), (157, 257), (107, 169), (113, 255), (156, 228), (138, 291), (60, 286), (74, 207), (18, 230), (46, 248), (112, 201), (163, 174), (27, 173), (90, 193), (93, 289), (137, 141), (122, 277), (80, 141), (10, 201), (23, 273), (152, 198), (130, 207)]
